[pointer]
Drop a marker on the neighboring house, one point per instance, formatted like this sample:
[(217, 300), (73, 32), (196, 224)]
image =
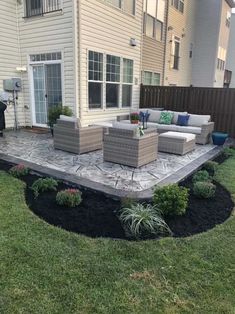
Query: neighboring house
[(230, 64), (180, 42), (211, 42), (154, 39), (84, 54)]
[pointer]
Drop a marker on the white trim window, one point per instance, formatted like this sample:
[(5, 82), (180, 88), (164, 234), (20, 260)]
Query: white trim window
[(111, 76), (113, 67), (127, 86), (154, 12), (151, 78), (41, 7), (127, 6), (178, 5), (175, 55), (95, 79)]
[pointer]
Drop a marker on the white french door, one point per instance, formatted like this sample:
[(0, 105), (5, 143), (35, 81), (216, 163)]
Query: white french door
[(47, 90)]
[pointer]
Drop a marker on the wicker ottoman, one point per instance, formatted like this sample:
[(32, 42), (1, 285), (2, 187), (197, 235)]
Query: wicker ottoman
[(176, 143)]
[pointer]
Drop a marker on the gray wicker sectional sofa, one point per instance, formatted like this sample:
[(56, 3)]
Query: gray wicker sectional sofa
[(200, 125)]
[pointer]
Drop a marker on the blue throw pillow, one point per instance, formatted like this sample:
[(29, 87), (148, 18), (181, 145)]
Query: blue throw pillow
[(183, 120), (144, 116)]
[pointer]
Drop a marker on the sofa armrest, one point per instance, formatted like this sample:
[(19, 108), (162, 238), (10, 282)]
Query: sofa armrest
[(123, 117), (207, 128)]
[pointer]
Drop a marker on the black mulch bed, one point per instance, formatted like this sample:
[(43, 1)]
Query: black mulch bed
[(97, 215)]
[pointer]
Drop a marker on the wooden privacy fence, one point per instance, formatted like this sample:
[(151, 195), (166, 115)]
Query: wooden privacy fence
[(217, 102)]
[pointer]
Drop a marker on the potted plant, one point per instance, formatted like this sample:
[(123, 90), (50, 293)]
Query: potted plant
[(134, 117), (54, 114)]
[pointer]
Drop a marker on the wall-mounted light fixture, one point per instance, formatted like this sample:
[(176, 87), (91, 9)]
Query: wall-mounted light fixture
[(133, 42), (21, 69)]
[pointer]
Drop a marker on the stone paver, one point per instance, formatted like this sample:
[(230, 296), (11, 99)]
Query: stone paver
[(38, 149)]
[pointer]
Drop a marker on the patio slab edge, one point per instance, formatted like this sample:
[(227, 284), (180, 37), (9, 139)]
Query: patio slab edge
[(178, 176)]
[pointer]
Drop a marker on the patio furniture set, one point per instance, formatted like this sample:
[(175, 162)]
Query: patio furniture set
[(128, 144)]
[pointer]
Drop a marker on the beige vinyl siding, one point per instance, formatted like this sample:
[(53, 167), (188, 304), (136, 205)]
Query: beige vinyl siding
[(106, 29), (230, 64), (9, 54), (50, 33)]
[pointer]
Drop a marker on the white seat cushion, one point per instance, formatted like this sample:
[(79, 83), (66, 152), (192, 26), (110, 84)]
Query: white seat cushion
[(198, 120), (125, 126), (189, 129), (67, 118), (170, 127), (176, 114), (187, 136)]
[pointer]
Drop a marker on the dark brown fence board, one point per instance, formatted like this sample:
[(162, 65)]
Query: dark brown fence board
[(218, 102)]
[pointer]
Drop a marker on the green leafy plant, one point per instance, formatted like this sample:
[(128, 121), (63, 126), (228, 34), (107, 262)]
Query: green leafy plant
[(204, 189), (55, 112), (42, 185), (211, 167), (201, 175), (171, 199), (19, 171), (141, 221), (228, 152), (69, 198)]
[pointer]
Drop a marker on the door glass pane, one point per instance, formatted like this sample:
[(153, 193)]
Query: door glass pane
[(112, 95), (39, 94), (53, 84)]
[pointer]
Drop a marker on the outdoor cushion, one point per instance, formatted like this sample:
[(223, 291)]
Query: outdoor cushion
[(189, 129), (183, 120), (154, 115), (187, 136), (176, 114), (67, 118), (166, 117), (125, 126), (166, 127), (198, 120)]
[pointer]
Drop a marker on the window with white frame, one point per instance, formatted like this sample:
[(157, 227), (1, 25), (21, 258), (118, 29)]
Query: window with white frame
[(41, 7), (111, 76), (151, 78), (127, 6), (175, 57), (178, 5), (127, 82), (112, 81), (95, 80), (154, 12)]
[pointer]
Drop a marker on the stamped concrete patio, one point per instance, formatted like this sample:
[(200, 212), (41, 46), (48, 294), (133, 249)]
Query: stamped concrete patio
[(36, 150)]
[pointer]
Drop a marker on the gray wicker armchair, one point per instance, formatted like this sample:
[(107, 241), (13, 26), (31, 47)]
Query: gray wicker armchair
[(70, 137), (124, 147)]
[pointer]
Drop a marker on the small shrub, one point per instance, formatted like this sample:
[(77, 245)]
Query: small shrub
[(43, 185), (204, 189), (19, 171), (141, 221), (211, 167), (127, 202), (201, 176), (69, 198), (171, 199), (228, 152)]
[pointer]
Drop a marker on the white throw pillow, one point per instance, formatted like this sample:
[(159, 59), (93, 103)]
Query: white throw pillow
[(198, 120), (125, 126), (176, 114), (154, 115)]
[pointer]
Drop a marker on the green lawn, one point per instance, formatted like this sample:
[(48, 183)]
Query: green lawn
[(47, 270)]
